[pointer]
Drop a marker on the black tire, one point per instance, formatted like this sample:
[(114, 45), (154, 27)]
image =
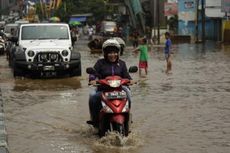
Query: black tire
[(120, 128), (126, 128), (76, 71), (17, 72), (104, 127), (1, 52), (10, 63)]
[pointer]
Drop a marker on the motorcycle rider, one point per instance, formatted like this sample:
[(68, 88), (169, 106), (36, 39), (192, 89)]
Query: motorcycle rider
[(107, 66)]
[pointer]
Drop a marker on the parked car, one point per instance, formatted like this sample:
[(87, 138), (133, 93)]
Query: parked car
[(11, 32), (2, 24), (2, 45), (8, 29), (45, 49)]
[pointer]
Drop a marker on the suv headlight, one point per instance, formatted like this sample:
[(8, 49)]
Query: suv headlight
[(53, 56), (65, 53), (30, 53)]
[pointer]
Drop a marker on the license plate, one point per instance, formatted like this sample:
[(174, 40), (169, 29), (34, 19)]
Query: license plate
[(49, 68), (116, 95)]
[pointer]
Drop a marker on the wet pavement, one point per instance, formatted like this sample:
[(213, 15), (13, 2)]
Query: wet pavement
[(186, 111)]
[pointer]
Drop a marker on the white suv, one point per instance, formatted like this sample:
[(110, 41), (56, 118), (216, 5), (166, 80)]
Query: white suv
[(45, 49)]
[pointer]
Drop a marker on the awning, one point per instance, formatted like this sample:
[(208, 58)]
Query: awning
[(80, 19)]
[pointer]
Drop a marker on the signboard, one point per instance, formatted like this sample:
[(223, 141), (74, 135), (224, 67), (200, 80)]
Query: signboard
[(189, 4), (213, 9), (170, 9), (187, 10), (225, 6)]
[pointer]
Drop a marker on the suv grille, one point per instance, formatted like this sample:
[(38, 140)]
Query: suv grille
[(48, 57)]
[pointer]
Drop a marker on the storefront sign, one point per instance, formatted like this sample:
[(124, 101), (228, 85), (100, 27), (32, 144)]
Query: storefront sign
[(225, 6), (189, 4), (170, 9)]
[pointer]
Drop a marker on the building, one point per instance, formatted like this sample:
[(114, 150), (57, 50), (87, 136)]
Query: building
[(206, 23), (5, 5)]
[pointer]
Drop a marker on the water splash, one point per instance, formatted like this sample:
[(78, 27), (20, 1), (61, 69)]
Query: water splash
[(117, 143)]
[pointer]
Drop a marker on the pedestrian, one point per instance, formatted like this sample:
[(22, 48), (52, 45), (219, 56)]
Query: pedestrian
[(135, 38), (73, 35), (167, 51), (12, 32), (143, 56)]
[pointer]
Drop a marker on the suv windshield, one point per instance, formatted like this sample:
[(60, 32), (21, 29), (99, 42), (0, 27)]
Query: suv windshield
[(44, 32)]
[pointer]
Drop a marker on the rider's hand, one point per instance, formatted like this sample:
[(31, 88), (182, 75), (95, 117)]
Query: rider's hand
[(132, 82), (93, 82)]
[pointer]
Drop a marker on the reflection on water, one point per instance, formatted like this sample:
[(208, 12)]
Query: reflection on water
[(47, 84)]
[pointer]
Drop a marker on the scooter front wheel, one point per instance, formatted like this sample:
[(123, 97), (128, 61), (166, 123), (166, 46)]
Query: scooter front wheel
[(120, 128)]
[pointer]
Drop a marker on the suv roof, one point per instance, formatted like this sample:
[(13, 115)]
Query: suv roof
[(29, 24)]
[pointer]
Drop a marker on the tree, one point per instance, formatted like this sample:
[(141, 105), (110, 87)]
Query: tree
[(173, 23), (69, 7)]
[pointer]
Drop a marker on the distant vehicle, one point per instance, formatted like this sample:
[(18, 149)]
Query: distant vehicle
[(21, 22), (8, 27), (2, 45), (44, 50), (108, 27), (2, 24), (95, 45), (10, 31)]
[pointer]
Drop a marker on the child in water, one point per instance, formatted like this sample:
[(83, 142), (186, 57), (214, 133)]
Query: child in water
[(167, 51), (143, 58)]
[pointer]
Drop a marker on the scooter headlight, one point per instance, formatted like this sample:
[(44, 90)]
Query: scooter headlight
[(114, 83)]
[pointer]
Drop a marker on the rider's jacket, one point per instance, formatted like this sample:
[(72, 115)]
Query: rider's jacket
[(105, 68)]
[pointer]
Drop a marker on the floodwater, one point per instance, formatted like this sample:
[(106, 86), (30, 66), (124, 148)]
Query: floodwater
[(187, 111)]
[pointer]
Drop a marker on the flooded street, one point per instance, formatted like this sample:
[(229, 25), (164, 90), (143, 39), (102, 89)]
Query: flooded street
[(187, 111)]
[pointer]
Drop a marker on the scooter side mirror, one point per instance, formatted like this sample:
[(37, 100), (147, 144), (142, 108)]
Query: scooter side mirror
[(90, 70), (133, 69)]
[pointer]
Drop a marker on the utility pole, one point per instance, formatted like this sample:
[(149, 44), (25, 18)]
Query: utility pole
[(197, 20), (152, 10), (158, 22), (203, 20)]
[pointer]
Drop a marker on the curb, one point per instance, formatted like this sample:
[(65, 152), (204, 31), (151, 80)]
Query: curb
[(3, 134)]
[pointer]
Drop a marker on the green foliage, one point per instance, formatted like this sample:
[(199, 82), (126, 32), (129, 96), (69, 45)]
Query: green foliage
[(173, 23), (70, 7)]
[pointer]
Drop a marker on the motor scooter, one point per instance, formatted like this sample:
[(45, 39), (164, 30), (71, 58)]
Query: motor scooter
[(115, 112), (2, 46)]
